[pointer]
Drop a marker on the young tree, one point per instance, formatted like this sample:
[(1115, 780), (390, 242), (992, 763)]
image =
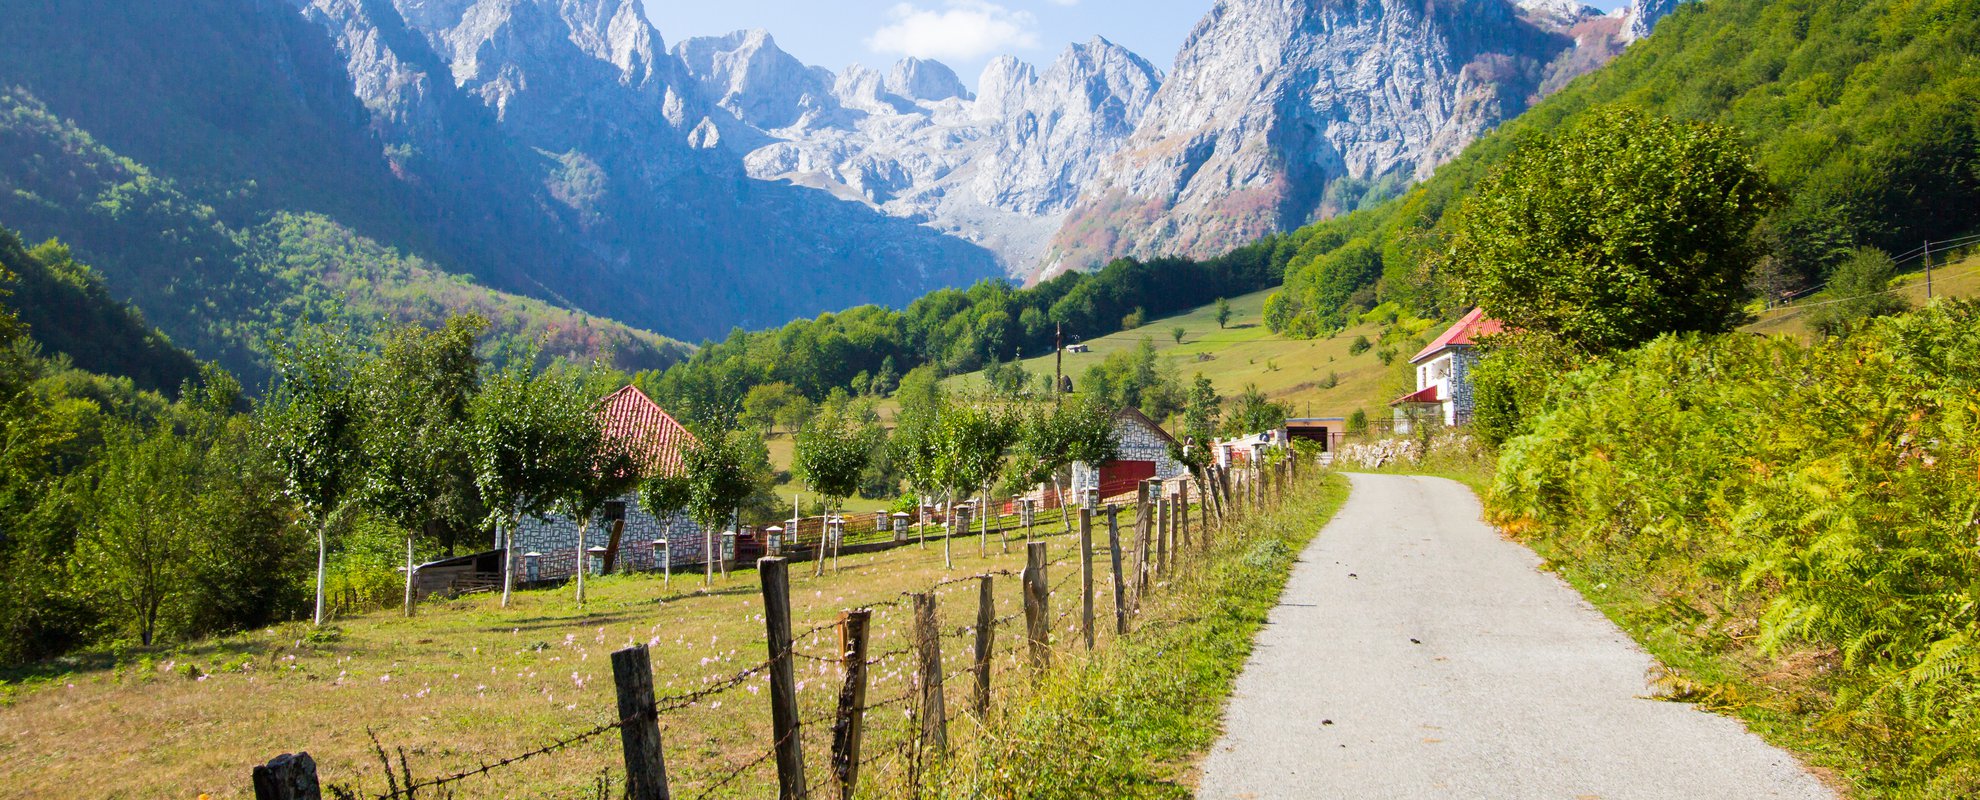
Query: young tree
[(972, 442), (832, 452), (313, 422), (773, 404), (1178, 333), (916, 443), (1050, 440), (415, 396), (1201, 413), (717, 475), (598, 467), (1861, 286), (1606, 235), (1252, 412), (138, 544), (521, 426), (1223, 313)]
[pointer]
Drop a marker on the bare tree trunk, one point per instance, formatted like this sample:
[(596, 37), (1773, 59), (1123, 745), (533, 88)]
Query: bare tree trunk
[(509, 556), (409, 575), (322, 563), (1065, 514), (582, 567), (949, 524), (707, 556)]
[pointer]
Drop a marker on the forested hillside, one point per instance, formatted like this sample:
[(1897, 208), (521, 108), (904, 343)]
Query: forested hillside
[(69, 312), (221, 277), (1864, 113)]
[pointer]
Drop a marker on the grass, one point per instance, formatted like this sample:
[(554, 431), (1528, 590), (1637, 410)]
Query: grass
[(1957, 279), (467, 682), (1293, 371), (1136, 719)]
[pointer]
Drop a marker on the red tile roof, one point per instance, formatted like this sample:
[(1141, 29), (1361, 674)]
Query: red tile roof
[(1427, 394), (629, 414), (1467, 331)]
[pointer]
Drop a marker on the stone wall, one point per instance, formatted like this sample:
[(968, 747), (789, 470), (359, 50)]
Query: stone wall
[(555, 536), (1138, 442)]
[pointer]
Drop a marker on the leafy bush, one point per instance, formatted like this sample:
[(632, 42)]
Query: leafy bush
[(1804, 505), (1359, 345)]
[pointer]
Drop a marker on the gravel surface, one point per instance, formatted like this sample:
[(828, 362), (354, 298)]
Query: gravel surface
[(1416, 654)]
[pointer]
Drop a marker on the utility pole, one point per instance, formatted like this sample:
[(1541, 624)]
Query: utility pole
[(1928, 271), (1058, 360)]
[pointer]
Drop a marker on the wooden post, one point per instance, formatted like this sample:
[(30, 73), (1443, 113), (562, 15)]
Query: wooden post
[(1164, 533), (776, 578), (986, 640), (287, 777), (928, 646), (1037, 605), (1224, 494), (850, 727), (639, 731), (1120, 581), (1086, 575), (1183, 517), (1144, 522)]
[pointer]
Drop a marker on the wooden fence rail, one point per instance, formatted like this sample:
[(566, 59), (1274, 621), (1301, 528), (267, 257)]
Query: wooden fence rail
[(1162, 543)]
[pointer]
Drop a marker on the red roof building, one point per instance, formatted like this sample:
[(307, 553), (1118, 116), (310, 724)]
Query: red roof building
[(1443, 375), (658, 437)]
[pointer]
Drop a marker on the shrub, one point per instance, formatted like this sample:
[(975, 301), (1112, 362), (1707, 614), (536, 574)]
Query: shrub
[(1359, 345)]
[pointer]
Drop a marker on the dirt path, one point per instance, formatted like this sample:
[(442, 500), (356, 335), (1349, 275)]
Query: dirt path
[(1416, 654)]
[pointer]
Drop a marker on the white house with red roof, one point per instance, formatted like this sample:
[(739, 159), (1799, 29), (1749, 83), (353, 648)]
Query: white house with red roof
[(1443, 374), (547, 546)]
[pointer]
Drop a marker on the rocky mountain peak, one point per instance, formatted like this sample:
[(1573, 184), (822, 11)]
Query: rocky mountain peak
[(1282, 111), (924, 80), (1643, 15), (746, 74)]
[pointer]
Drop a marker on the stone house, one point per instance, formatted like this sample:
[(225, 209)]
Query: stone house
[(547, 546), (1443, 375), (1144, 454)]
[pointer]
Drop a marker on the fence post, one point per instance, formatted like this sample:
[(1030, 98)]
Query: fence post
[(1120, 581), (287, 777), (776, 578), (986, 639), (1086, 575), (1165, 530), (849, 728), (1182, 519), (1144, 523), (639, 729), (928, 646), (1224, 494), (1037, 605)]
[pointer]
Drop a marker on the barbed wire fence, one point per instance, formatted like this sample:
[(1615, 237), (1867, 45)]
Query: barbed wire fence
[(1159, 543)]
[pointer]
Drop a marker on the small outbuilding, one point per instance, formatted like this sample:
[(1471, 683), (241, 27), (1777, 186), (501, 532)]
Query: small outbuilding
[(1146, 452)]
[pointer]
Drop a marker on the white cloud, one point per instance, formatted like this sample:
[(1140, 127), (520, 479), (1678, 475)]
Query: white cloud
[(963, 30)]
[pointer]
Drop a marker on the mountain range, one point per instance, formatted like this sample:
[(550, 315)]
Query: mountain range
[(558, 150)]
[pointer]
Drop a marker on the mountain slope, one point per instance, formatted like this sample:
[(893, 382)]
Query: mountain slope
[(543, 147), (220, 281), (1281, 112), (69, 311), (999, 169), (1865, 113)]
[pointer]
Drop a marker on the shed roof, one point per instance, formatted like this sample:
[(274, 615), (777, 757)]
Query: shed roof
[(629, 414), (1465, 332)]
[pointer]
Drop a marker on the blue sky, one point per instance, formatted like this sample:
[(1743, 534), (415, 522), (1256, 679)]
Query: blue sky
[(965, 34)]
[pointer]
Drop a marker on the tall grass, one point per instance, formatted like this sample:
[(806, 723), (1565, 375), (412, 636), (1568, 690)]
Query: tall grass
[(1130, 720), (1792, 527)]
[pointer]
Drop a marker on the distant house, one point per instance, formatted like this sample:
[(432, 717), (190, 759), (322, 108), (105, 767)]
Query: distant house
[(1443, 375), (546, 547), (1077, 348), (1144, 454)]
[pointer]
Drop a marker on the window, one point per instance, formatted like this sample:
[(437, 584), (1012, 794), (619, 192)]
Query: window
[(615, 511)]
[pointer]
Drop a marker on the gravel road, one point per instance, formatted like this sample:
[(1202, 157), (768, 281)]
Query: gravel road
[(1416, 654)]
